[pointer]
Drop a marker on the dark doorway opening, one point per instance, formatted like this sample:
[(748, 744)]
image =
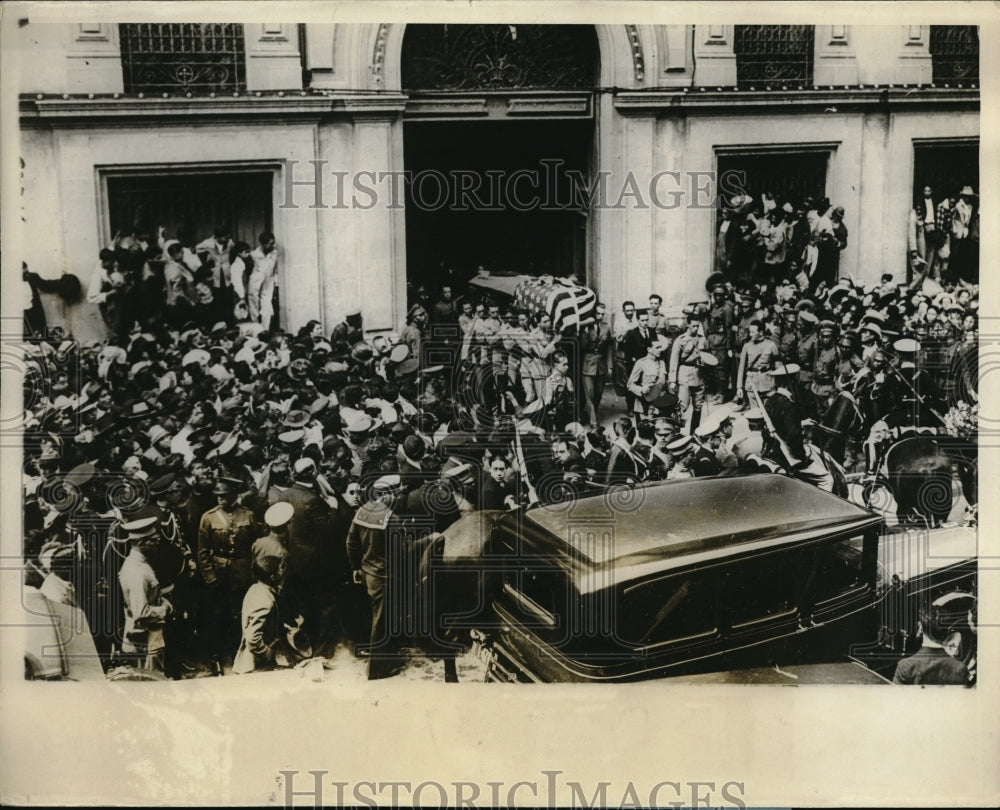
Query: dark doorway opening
[(522, 216), (789, 176), (945, 167), (195, 202)]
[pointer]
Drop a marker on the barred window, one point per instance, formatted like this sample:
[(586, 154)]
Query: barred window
[(194, 57), (954, 53), (775, 55)]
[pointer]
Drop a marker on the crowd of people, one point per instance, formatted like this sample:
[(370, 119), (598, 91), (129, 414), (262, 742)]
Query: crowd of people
[(221, 492)]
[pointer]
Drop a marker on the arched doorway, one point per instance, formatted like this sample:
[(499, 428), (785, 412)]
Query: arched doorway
[(498, 129)]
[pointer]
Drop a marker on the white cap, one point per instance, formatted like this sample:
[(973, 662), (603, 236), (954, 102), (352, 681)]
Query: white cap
[(279, 514), (303, 464)]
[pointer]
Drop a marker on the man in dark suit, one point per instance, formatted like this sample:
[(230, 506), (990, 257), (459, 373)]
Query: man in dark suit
[(635, 345), (597, 362), (316, 567), (932, 664)]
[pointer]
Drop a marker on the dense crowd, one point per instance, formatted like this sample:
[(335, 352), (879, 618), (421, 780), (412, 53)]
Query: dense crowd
[(217, 489)]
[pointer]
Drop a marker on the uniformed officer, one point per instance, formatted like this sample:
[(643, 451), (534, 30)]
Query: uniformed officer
[(824, 371), (685, 375), (680, 453), (374, 549), (783, 411), (704, 461), (788, 344), (275, 543), (757, 358), (805, 350), (146, 610), (225, 537), (648, 374), (721, 335)]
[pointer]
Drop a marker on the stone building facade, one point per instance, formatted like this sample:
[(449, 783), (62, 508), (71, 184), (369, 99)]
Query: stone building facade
[(241, 120)]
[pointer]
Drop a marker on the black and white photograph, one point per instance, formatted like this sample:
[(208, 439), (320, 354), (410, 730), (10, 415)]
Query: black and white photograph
[(435, 360)]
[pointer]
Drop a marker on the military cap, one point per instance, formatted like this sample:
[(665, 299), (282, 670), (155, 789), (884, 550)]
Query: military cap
[(754, 415), (303, 464), (322, 346), (387, 483), (162, 485), (806, 316), (785, 370), (679, 446), (290, 437), (363, 424), (142, 527), (225, 485), (906, 346), (708, 426), (827, 325), (279, 514)]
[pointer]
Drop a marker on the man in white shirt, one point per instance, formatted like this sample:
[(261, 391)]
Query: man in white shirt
[(263, 280), (217, 248)]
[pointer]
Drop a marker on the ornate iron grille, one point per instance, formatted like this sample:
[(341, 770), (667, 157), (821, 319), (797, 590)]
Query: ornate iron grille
[(779, 55), (195, 57), (954, 53), (499, 57)]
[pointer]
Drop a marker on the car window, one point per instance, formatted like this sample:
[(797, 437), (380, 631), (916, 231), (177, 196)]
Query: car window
[(762, 587), (669, 609), (839, 568)]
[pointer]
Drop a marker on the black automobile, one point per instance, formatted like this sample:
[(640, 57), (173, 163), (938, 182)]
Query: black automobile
[(666, 579)]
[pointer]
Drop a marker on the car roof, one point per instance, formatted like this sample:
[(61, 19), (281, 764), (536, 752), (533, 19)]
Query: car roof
[(675, 522)]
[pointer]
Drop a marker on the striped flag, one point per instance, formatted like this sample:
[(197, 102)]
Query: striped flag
[(567, 304)]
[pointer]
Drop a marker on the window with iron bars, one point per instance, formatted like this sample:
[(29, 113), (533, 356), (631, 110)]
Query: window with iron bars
[(774, 55), (190, 57), (954, 53)]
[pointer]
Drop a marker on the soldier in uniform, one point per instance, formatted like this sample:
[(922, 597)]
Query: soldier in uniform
[(680, 453), (275, 543), (824, 372), (805, 352), (707, 439), (374, 549), (648, 373), (146, 610), (788, 344), (315, 572), (757, 358), (721, 334), (685, 375), (225, 537)]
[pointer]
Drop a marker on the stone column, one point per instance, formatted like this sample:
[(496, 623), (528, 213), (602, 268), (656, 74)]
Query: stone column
[(273, 60), (376, 196), (94, 59), (714, 56)]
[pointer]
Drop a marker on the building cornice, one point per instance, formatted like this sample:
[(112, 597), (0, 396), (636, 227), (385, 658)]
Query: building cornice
[(120, 109), (123, 110), (696, 100)]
